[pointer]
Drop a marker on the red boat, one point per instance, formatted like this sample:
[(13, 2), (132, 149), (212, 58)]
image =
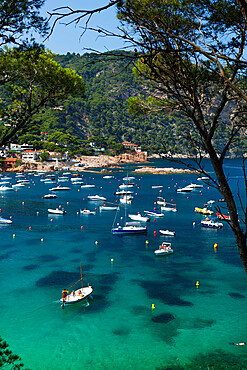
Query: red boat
[(223, 217)]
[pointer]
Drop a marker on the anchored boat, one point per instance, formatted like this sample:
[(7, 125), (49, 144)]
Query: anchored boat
[(76, 295), (57, 211), (164, 249)]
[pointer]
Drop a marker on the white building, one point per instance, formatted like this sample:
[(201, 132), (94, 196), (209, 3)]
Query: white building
[(29, 155), (21, 148)]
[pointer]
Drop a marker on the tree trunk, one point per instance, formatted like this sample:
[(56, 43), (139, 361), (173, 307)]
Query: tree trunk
[(239, 234)]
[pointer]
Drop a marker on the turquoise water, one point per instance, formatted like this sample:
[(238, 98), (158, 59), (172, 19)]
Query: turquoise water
[(189, 328)]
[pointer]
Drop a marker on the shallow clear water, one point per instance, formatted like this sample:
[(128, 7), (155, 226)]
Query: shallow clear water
[(188, 328)]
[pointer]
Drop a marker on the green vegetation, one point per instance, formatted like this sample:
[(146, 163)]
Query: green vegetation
[(7, 358), (102, 115)]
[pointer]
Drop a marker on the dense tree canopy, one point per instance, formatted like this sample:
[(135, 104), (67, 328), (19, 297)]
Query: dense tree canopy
[(32, 80), (19, 19)]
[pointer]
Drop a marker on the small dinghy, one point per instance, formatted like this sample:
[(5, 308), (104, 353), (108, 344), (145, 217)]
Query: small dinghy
[(164, 249), (87, 212), (167, 232)]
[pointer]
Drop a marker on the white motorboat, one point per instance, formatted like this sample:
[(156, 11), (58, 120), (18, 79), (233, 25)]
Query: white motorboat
[(76, 295), (57, 211), (107, 177), (195, 186), (50, 196), (123, 192), (76, 179), (87, 212), (76, 182), (87, 186), (20, 185), (60, 188), (167, 232), (96, 197), (25, 182), (186, 189), (154, 213), (212, 224), (108, 208), (5, 188), (169, 207), (157, 186), (126, 186), (5, 221), (164, 249), (139, 217), (63, 179)]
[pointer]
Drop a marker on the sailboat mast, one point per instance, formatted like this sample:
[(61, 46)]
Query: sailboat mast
[(81, 277)]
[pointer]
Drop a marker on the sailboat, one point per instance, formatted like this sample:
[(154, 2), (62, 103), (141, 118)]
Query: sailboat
[(165, 206), (76, 295), (128, 228)]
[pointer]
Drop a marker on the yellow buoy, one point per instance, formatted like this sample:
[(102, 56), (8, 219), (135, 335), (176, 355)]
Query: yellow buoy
[(147, 242), (13, 235), (112, 259), (96, 242), (41, 240), (153, 306), (215, 245), (197, 284)]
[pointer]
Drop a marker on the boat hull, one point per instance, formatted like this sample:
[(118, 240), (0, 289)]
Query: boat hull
[(163, 253), (129, 230), (167, 232), (57, 211), (139, 218), (80, 295)]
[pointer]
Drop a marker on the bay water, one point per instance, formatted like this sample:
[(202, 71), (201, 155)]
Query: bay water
[(146, 312)]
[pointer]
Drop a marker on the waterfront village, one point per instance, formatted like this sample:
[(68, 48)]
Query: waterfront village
[(20, 158)]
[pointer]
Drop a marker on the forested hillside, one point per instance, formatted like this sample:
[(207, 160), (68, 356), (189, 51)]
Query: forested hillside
[(102, 115)]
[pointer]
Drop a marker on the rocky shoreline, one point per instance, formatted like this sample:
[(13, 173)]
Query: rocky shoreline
[(100, 164), (162, 171)]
